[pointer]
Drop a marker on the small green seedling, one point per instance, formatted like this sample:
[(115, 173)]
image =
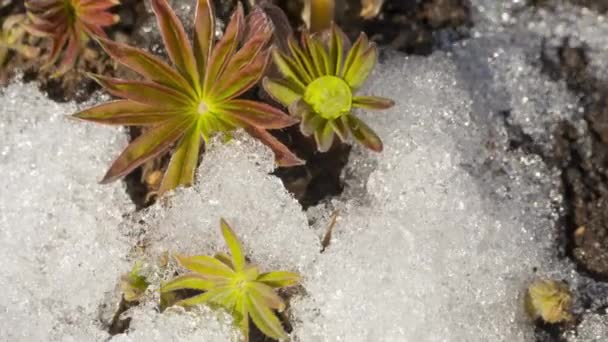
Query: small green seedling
[(319, 85), (69, 24), (231, 283), (134, 284), (549, 300), (194, 98)]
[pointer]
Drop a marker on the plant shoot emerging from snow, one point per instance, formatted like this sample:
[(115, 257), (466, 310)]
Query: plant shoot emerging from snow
[(194, 98), (319, 83), (69, 23), (230, 282)]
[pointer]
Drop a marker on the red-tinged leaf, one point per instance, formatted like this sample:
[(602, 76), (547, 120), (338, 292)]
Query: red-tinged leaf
[(144, 92), (99, 18), (176, 41), (324, 137), (124, 112), (372, 102), (69, 56), (256, 114), (340, 127), (204, 33), (281, 91), (97, 5), (189, 281), (240, 81), (147, 146), (302, 61), (280, 22), (364, 134), (253, 47), (94, 30), (183, 162), (266, 295), (360, 69), (39, 4), (283, 156), (278, 279), (57, 46), (289, 70), (236, 250), (354, 53), (147, 65), (206, 266), (265, 319), (225, 48), (42, 25)]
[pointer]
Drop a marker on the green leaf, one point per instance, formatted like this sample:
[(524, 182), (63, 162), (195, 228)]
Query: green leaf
[(256, 114), (264, 318), (124, 112), (207, 297), (339, 126), (361, 67), (364, 134), (289, 70), (204, 33), (176, 41), (224, 258), (372, 102), (144, 92), (184, 160), (310, 121), (318, 54), (361, 44), (283, 156), (238, 258), (241, 309), (224, 49), (147, 65), (266, 295), (336, 51), (279, 279), (147, 146), (280, 91), (206, 266), (302, 61), (189, 281), (242, 80), (324, 137)]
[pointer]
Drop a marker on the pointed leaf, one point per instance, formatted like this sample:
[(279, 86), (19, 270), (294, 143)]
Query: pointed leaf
[(207, 297), (241, 308), (289, 70), (336, 50), (189, 281), (256, 114), (364, 134), (70, 56), (147, 65), (224, 258), (238, 258), (266, 295), (340, 127), (361, 44), (279, 279), (183, 162), (280, 91), (317, 52), (225, 48), (204, 33), (240, 81), (324, 136), (302, 62), (372, 102), (361, 67), (310, 121), (175, 39), (283, 156), (147, 146), (124, 112), (206, 266), (265, 319), (144, 92)]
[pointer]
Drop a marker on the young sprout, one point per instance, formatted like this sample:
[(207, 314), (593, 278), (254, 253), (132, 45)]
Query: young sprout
[(195, 97), (232, 283), (549, 300), (69, 24), (319, 86)]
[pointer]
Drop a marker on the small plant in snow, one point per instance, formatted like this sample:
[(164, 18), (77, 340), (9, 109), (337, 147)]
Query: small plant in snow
[(319, 81), (70, 24), (196, 97), (230, 282)]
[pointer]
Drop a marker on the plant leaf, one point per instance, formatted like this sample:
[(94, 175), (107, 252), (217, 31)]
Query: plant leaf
[(143, 92), (204, 33), (206, 266), (301, 61), (147, 65), (361, 67), (279, 279), (176, 41), (266, 294), (238, 258), (360, 45), (283, 156), (256, 114), (240, 81), (207, 297), (183, 162), (225, 258), (372, 102), (124, 112), (364, 134), (324, 136), (336, 50), (188, 281), (147, 146), (340, 127), (289, 70), (280, 91), (264, 318)]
